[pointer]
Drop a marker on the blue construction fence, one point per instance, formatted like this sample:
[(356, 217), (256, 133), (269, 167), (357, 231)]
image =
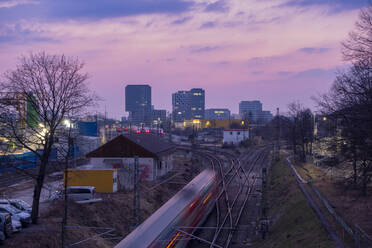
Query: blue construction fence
[(87, 128), (23, 161)]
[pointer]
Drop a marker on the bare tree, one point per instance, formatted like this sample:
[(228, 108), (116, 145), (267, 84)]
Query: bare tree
[(302, 129), (350, 101), (37, 97), (359, 45)]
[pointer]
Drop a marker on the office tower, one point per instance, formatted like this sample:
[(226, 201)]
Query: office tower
[(250, 110), (188, 105), (138, 104), (197, 103)]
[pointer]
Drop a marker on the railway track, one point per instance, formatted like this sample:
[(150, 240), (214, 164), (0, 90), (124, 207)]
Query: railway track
[(238, 182)]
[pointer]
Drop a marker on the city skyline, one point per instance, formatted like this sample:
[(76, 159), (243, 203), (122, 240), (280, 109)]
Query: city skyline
[(277, 51)]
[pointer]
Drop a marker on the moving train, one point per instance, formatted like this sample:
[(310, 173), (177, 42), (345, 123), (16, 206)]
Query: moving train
[(168, 226)]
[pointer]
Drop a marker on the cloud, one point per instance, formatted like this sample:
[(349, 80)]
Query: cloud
[(12, 3), (93, 9), (257, 61), (254, 20), (223, 62), (313, 50), (219, 6), (203, 49), (208, 25), (317, 72), (16, 34), (182, 20), (284, 73), (256, 72), (336, 5)]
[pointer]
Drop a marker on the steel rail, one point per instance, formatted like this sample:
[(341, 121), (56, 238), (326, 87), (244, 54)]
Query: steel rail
[(261, 157), (227, 175)]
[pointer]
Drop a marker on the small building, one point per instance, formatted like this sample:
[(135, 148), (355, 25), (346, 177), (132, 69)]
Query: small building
[(105, 180), (235, 136), (154, 155)]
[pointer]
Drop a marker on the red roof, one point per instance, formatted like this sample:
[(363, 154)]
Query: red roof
[(130, 145)]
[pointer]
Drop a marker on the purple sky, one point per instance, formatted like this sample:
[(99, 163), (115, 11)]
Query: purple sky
[(276, 51)]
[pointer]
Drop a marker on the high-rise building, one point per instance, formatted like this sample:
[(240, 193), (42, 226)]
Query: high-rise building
[(181, 106), (138, 104), (197, 103), (265, 116), (217, 114), (250, 110), (188, 105)]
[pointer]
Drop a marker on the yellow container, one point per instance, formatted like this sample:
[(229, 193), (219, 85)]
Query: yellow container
[(104, 180)]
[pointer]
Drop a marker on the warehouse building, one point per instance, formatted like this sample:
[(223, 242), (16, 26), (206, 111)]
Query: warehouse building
[(153, 152)]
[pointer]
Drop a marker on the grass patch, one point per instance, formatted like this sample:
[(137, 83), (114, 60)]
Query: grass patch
[(292, 221)]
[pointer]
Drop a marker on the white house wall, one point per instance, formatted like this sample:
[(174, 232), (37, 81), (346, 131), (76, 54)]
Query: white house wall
[(145, 165), (148, 168), (235, 137)]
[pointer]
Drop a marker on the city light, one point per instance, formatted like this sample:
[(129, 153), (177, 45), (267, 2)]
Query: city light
[(67, 123)]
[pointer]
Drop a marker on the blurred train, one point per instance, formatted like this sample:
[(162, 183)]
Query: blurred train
[(188, 208)]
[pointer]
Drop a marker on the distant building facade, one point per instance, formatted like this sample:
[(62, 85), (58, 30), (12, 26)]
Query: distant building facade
[(188, 105), (181, 106), (252, 111), (138, 104), (265, 117), (197, 103), (159, 116), (217, 114)]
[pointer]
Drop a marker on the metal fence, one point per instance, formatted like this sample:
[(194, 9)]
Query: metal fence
[(360, 237)]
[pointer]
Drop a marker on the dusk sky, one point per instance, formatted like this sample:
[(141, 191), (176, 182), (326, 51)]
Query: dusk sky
[(276, 51)]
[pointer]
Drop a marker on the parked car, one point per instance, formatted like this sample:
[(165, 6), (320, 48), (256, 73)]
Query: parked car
[(18, 215), (19, 204), (16, 225), (2, 237), (76, 193), (81, 193), (6, 225)]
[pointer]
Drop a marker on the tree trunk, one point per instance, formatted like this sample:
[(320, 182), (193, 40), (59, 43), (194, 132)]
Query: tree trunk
[(40, 181), (303, 153), (364, 179), (355, 172), (37, 191)]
